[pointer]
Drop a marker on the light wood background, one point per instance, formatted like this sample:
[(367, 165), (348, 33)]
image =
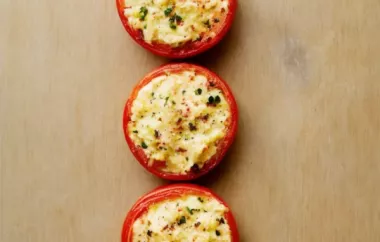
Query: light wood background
[(306, 163)]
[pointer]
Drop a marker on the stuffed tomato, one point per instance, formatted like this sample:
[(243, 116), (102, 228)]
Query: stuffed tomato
[(180, 121), (176, 28), (181, 212)]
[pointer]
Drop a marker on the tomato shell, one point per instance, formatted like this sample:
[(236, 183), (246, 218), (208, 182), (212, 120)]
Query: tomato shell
[(224, 143), (186, 51), (171, 192)]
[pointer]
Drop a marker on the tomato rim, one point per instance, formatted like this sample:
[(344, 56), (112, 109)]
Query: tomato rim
[(166, 192), (183, 52), (224, 143)]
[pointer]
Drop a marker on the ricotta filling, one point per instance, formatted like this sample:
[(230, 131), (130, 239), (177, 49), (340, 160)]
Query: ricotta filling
[(189, 218), (178, 119), (176, 22)]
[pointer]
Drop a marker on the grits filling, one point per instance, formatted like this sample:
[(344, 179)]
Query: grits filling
[(176, 22), (189, 218), (178, 119)]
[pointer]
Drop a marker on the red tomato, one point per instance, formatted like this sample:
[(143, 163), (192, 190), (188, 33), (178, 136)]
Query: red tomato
[(172, 192), (187, 50), (224, 143)]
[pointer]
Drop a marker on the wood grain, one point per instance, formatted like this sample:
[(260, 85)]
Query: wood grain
[(304, 168)]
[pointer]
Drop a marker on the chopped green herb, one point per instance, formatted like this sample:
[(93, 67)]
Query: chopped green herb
[(143, 145), (149, 233), (183, 91), (187, 158), (211, 100), (217, 232), (200, 199), (135, 131), (172, 22), (207, 23), (152, 94), (189, 210), (145, 26), (198, 91), (217, 99), (172, 25), (174, 103), (143, 13), (182, 220), (166, 101), (168, 11)]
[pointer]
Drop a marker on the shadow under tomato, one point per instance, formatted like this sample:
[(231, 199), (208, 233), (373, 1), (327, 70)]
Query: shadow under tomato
[(226, 167), (224, 50)]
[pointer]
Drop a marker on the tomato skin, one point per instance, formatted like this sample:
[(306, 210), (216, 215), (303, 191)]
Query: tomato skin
[(186, 51), (223, 145), (171, 192)]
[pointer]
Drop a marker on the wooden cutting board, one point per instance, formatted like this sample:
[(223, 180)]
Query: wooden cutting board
[(306, 163)]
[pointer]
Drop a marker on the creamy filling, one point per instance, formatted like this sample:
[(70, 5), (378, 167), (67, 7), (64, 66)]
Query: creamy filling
[(189, 218), (176, 22), (178, 120)]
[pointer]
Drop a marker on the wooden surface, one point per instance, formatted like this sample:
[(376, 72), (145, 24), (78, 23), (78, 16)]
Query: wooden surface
[(304, 168)]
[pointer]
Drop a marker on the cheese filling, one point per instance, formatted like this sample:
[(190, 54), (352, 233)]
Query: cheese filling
[(178, 120), (176, 22), (190, 218)]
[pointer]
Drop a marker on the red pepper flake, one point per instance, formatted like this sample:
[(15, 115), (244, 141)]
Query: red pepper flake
[(181, 150), (205, 117), (192, 127), (157, 134)]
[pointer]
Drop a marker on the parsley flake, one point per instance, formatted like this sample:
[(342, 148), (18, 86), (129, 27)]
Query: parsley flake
[(189, 210), (198, 91), (182, 220), (168, 11), (143, 12), (210, 100), (217, 99), (143, 145)]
